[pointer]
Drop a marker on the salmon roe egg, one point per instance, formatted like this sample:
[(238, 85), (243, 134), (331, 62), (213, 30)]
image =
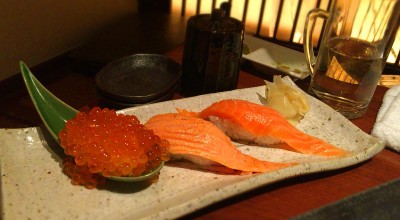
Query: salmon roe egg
[(81, 175), (112, 144)]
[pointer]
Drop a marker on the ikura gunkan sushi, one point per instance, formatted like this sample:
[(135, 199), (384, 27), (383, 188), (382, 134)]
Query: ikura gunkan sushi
[(110, 144)]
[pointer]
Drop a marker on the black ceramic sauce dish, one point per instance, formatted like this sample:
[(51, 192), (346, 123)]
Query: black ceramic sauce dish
[(138, 79)]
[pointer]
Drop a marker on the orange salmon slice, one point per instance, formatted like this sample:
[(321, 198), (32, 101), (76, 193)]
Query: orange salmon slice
[(196, 137), (244, 120)]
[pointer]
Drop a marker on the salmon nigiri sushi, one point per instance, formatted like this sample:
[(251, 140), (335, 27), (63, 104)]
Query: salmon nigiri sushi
[(244, 120), (201, 142)]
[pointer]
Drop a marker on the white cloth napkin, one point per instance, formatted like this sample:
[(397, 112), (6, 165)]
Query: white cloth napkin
[(387, 125)]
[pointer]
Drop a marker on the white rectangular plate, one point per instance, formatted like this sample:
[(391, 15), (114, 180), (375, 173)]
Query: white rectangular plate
[(264, 55), (34, 187)]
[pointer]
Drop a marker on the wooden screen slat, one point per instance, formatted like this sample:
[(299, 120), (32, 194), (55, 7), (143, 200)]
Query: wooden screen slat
[(296, 18), (246, 7), (183, 9), (260, 17), (198, 7), (278, 19)]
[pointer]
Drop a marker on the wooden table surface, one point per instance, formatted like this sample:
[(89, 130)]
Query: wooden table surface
[(280, 200)]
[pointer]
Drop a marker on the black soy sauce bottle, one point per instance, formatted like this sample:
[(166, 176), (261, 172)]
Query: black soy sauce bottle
[(211, 54)]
